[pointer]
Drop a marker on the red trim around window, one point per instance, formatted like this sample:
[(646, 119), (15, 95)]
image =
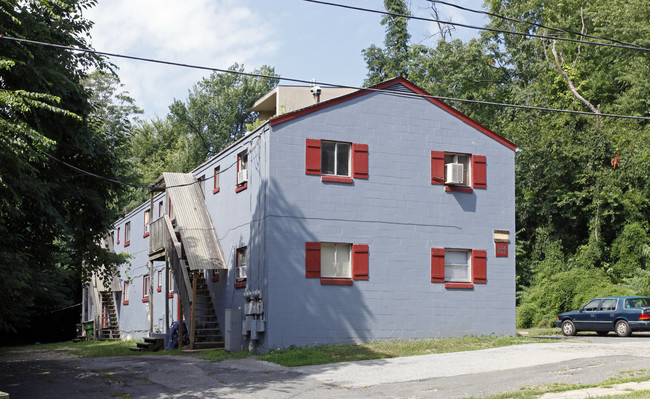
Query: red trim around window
[(312, 260), (459, 189), (125, 292), (241, 283), (337, 179), (335, 281), (437, 167), (215, 180), (127, 229), (312, 155), (360, 161), (479, 266), (437, 265), (146, 223), (358, 152), (479, 171), (459, 285), (145, 288), (243, 186), (360, 262)]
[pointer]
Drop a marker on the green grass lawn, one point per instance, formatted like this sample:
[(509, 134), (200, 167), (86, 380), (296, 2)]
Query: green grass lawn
[(303, 356), (296, 356)]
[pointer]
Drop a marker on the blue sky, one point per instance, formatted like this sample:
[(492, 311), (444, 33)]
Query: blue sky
[(301, 40)]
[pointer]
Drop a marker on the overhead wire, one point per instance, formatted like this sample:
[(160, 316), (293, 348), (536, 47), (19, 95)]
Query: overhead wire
[(491, 14), (311, 82), (475, 27)]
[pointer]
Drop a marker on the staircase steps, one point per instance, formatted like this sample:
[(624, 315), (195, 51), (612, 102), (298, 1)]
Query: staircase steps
[(207, 333), (150, 344), (112, 331)]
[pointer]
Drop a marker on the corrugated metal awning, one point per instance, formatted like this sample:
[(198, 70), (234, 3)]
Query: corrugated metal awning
[(197, 232)]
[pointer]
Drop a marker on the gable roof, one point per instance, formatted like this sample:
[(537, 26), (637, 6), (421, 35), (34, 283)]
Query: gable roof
[(383, 85)]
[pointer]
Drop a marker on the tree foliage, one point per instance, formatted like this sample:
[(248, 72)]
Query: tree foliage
[(53, 215), (393, 60), (215, 114)]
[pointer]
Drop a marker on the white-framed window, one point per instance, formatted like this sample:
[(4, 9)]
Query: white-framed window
[(127, 234), (241, 267), (160, 283), (458, 265), (147, 220), (335, 260), (215, 180), (242, 170), (146, 282), (457, 169), (125, 293), (335, 158)]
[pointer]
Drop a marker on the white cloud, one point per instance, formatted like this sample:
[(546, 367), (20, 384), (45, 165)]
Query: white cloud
[(200, 32)]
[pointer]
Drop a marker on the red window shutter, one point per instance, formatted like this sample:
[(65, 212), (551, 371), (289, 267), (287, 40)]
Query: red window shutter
[(479, 174), (360, 161), (312, 163), (437, 265), (437, 167), (479, 266), (360, 262), (312, 260)]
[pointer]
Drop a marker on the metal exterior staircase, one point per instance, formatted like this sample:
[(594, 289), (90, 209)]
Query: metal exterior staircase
[(191, 247), (109, 328)]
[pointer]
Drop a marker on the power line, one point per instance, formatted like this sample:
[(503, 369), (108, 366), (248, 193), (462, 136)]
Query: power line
[(213, 69), (312, 82), (476, 27), (534, 23)]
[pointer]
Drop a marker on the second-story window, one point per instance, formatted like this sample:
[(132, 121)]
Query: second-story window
[(242, 171), (146, 224), (335, 158), (215, 180), (127, 234)]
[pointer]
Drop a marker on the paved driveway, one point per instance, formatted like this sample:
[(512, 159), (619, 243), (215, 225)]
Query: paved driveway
[(580, 360)]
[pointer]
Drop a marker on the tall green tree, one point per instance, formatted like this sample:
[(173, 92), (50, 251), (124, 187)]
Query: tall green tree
[(215, 114), (393, 60), (53, 214)]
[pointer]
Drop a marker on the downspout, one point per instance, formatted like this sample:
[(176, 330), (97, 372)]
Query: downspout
[(150, 269)]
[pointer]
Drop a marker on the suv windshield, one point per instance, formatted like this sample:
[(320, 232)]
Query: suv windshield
[(637, 303)]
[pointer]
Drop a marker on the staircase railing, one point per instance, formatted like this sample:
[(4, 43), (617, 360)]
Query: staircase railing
[(179, 266)]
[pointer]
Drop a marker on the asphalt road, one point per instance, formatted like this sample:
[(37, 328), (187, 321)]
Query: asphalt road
[(580, 360)]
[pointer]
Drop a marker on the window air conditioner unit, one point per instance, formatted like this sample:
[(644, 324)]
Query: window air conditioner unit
[(241, 272), (454, 173), (242, 176)]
